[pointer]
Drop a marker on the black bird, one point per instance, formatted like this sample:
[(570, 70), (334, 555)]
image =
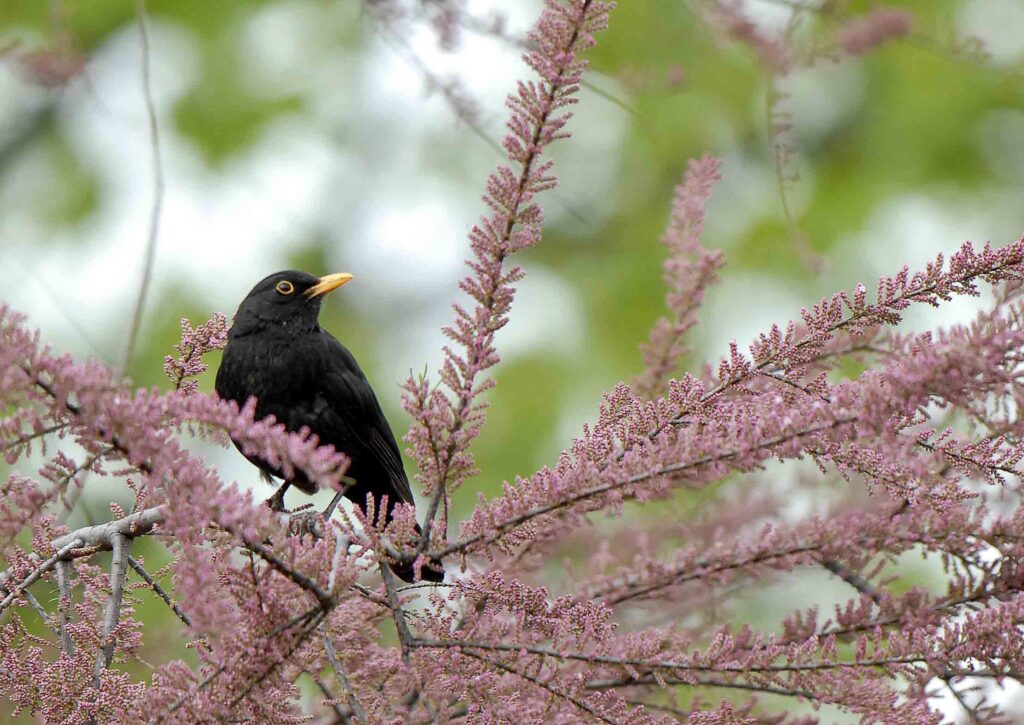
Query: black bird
[(300, 374)]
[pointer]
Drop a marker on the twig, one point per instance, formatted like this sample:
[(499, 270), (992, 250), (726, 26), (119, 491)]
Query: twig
[(500, 528), (329, 511), (63, 572), (465, 646), (299, 578), (158, 186), (404, 635), (31, 599), (112, 613), (318, 617), (174, 706), (674, 681), (34, 575), (854, 579), (544, 686), (972, 712), (159, 590), (346, 686), (341, 713), (28, 437), (552, 92)]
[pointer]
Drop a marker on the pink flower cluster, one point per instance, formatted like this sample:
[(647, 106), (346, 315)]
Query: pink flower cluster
[(880, 26)]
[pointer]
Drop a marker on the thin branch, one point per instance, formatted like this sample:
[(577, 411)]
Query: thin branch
[(112, 613), (298, 577), (306, 616), (973, 717), (140, 570), (475, 354), (404, 635), (702, 570), (630, 681), (350, 694), (300, 640), (158, 186), (63, 572), (499, 529), (544, 686), (34, 603), (31, 436), (34, 575), (341, 713), (854, 579), (633, 662)]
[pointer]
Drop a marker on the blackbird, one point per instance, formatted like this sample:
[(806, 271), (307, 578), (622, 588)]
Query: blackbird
[(300, 374)]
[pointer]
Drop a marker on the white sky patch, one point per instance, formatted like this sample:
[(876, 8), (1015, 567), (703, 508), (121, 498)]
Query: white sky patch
[(741, 307), (998, 23), (547, 315)]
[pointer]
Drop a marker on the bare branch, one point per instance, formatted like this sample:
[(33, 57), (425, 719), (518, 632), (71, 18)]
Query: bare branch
[(63, 572), (395, 603), (158, 186), (545, 686), (33, 576), (112, 613), (34, 603), (346, 686), (140, 570), (102, 535), (341, 713), (854, 579)]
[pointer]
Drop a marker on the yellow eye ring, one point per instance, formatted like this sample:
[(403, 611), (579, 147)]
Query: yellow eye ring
[(285, 287)]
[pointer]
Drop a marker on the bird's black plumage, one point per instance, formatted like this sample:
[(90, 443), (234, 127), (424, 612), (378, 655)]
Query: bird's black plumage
[(300, 374)]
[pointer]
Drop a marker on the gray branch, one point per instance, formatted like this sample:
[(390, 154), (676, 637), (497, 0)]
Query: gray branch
[(112, 613), (141, 571), (350, 694), (63, 572), (102, 535)]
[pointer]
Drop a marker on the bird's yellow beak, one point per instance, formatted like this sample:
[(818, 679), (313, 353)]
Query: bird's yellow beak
[(327, 283)]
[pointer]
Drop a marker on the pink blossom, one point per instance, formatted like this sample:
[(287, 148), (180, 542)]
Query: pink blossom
[(882, 25)]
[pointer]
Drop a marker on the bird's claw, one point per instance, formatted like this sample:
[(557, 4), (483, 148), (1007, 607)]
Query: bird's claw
[(301, 523), (276, 502)]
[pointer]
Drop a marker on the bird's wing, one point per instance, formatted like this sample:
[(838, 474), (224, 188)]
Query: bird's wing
[(354, 403)]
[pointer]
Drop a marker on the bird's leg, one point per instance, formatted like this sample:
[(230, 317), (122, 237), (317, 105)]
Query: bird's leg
[(276, 502), (347, 484)]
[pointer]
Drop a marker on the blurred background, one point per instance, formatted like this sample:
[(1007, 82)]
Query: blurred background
[(356, 136)]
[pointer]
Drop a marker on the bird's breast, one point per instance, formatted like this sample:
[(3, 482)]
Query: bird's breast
[(279, 373)]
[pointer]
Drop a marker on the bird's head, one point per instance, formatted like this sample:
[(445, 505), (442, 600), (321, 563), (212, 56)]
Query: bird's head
[(286, 298)]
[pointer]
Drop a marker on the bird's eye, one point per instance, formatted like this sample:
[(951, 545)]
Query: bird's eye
[(285, 287)]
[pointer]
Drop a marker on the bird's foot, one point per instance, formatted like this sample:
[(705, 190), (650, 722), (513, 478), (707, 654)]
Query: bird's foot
[(276, 502), (305, 521)]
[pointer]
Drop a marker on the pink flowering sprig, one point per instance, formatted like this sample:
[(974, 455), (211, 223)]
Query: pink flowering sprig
[(620, 459), (195, 342), (445, 424), (688, 271), (853, 316), (981, 553), (730, 19), (867, 32), (140, 429)]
